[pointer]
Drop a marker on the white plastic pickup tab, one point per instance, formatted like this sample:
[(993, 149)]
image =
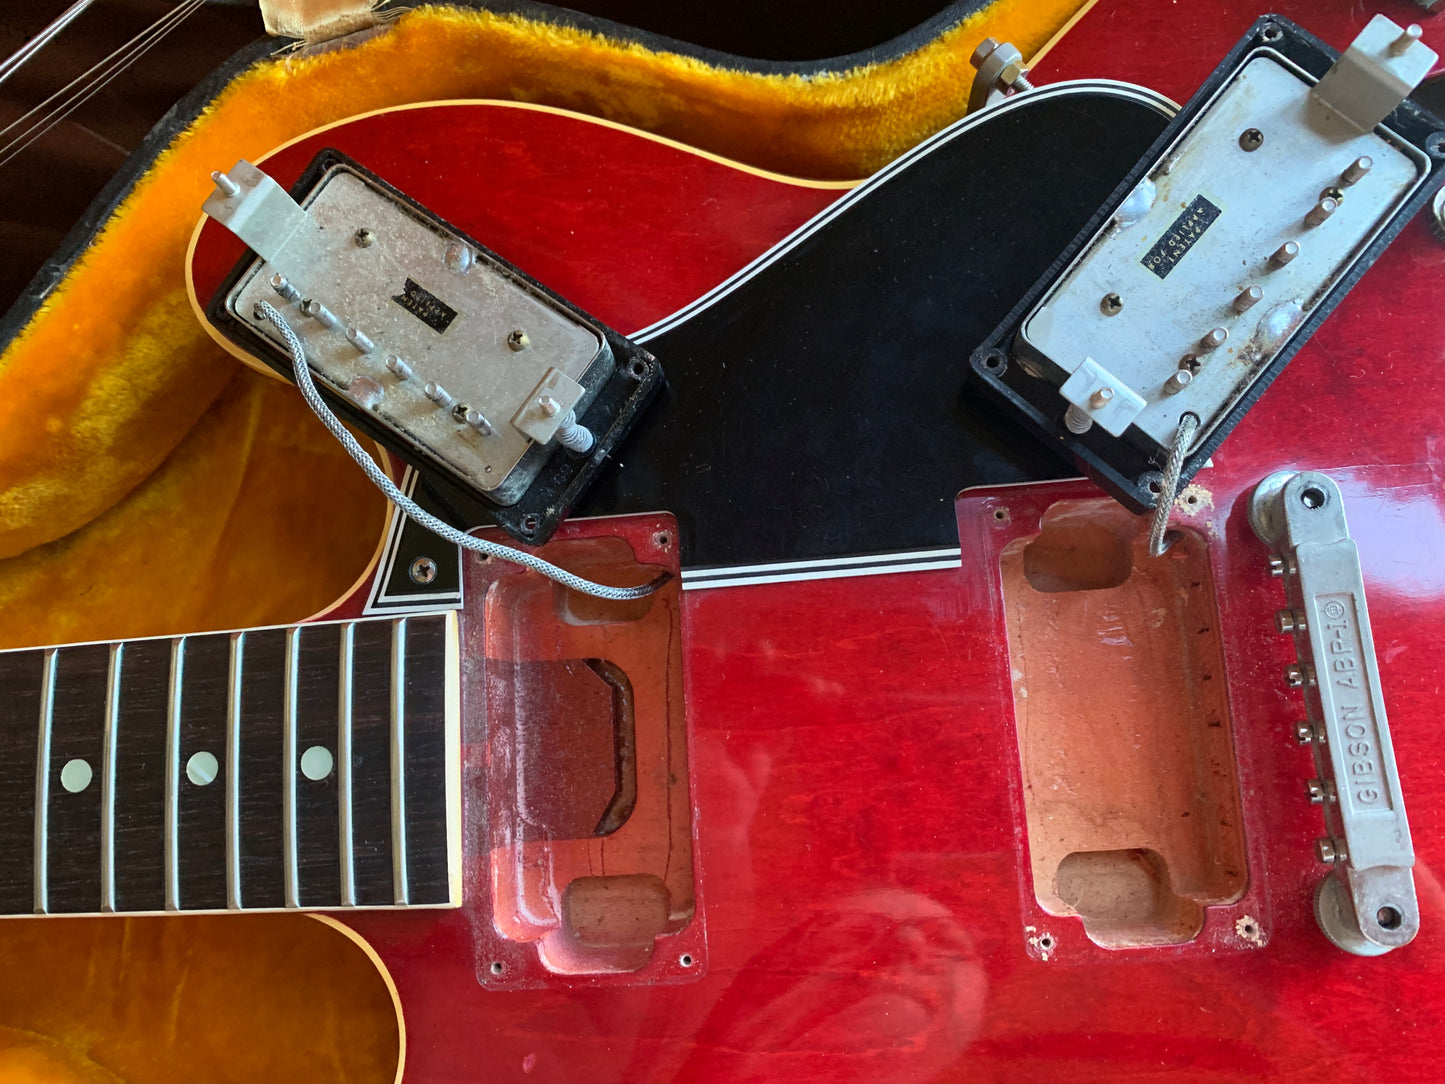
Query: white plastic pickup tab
[(256, 209), (1375, 74)]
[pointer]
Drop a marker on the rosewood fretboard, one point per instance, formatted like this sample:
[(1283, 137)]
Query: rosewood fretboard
[(312, 767)]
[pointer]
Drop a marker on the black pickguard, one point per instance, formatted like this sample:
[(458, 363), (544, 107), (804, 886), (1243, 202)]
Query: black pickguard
[(821, 408)]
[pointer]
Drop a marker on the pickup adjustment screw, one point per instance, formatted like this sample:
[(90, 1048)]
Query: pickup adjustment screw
[(1251, 139), (1214, 339), (478, 421), (1111, 304), (1408, 37), (227, 187), (359, 340), (437, 394), (398, 368), (319, 312), (1178, 381), (1249, 297), (1321, 211), (1355, 170), (282, 286), (1286, 252)]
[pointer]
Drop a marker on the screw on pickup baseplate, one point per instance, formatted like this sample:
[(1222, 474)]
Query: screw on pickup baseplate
[(1251, 139), (1111, 304)]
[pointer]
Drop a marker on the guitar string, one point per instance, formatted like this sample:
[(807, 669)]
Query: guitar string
[(16, 60), (90, 82), (419, 515), (1169, 485)]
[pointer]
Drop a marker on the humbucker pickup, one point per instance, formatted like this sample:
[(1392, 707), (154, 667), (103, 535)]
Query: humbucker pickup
[(1366, 904), (1219, 255), (452, 357)]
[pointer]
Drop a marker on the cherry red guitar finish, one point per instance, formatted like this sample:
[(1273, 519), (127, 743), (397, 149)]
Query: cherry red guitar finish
[(860, 844)]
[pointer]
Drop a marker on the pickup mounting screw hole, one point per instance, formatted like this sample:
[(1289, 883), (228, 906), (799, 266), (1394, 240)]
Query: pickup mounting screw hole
[(423, 571), (1435, 144), (1271, 33), (638, 370), (686, 959), (1251, 139), (993, 360), (1111, 304), (1388, 918), (497, 967), (1313, 497), (530, 522), (1154, 487), (1000, 514)]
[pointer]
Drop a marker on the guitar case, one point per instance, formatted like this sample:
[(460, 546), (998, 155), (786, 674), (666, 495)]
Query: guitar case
[(148, 483)]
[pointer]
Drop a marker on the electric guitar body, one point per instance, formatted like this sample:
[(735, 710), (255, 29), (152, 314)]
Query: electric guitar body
[(875, 574)]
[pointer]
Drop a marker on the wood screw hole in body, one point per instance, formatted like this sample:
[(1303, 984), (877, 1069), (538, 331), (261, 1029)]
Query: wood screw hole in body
[(1388, 918), (76, 775), (497, 967), (202, 768), (1312, 498), (1191, 499), (317, 762), (686, 959), (1046, 942), (662, 539)]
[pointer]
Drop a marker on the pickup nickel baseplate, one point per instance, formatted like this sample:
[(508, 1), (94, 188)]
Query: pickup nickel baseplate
[(1366, 903), (456, 360)]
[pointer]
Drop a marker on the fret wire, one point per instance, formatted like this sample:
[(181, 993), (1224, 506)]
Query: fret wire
[(343, 765), (42, 783), (233, 772), (107, 778), (288, 770), (398, 762), (173, 775)]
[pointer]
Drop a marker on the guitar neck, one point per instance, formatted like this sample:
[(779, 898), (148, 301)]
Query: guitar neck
[(309, 767)]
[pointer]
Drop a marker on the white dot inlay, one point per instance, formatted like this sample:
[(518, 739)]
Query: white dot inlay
[(317, 762), (76, 775), (202, 768)]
